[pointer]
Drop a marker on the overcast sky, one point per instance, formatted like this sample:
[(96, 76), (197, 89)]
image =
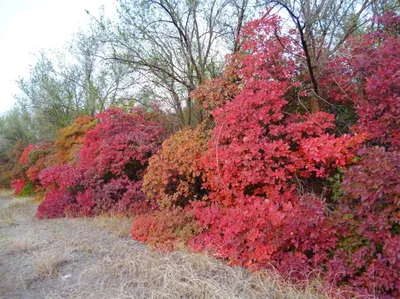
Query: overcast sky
[(27, 26)]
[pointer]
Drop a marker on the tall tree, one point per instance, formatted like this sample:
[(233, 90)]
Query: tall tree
[(65, 85), (17, 125)]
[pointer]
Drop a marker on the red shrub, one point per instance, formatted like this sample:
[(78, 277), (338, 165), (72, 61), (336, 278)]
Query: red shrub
[(287, 232), (57, 204), (119, 195), (324, 154), (255, 148), (17, 185), (368, 225), (24, 159), (64, 185), (61, 177), (34, 159), (8, 165), (121, 143), (375, 62), (114, 156), (108, 177), (258, 154), (85, 202)]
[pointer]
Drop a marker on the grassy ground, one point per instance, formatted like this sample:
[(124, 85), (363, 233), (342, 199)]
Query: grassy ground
[(95, 258)]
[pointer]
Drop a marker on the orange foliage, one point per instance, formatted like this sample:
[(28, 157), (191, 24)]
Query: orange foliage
[(173, 175), (165, 229), (216, 92), (70, 140)]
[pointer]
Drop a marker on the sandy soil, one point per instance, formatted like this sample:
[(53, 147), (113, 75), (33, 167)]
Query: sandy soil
[(95, 258)]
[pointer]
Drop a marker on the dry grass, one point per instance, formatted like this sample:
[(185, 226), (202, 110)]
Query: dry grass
[(135, 272), (11, 211), (7, 218), (21, 244), (5, 194), (17, 202), (48, 263), (117, 224), (86, 258)]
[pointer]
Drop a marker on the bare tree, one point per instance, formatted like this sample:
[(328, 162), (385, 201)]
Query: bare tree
[(176, 45)]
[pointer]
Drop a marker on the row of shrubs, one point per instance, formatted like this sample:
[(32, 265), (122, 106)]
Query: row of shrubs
[(264, 181)]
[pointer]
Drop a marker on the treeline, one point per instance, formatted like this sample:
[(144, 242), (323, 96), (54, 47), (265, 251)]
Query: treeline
[(286, 154)]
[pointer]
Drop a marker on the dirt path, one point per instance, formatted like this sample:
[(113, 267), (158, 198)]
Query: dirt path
[(94, 258)]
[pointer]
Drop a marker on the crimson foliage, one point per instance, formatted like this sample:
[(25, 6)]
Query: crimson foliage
[(114, 156), (266, 169), (108, 175), (62, 183), (254, 217), (375, 62), (17, 185), (367, 223)]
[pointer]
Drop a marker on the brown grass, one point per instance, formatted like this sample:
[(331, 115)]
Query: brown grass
[(48, 264), (11, 211), (5, 194), (128, 272), (87, 258), (117, 224)]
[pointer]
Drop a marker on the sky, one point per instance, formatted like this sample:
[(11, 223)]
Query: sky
[(27, 26)]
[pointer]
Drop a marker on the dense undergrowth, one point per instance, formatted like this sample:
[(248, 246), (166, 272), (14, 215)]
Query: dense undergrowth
[(266, 180)]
